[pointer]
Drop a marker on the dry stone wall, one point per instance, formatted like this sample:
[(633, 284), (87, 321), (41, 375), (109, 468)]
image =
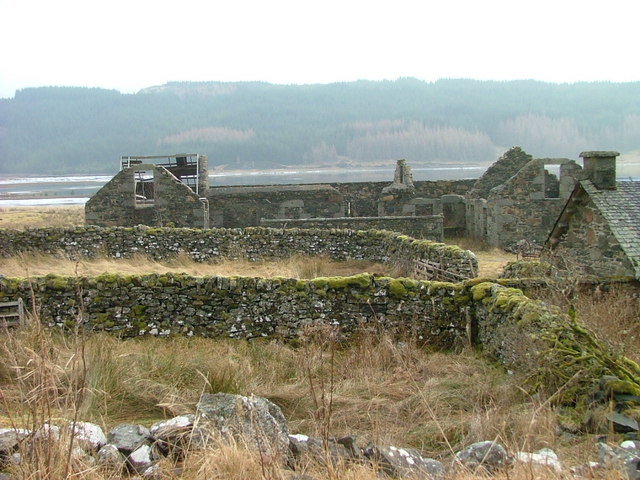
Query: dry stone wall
[(240, 307), (250, 243), (428, 227), (549, 349)]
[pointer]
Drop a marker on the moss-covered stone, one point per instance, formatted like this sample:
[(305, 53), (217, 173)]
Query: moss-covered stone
[(616, 386), (481, 290), (57, 282), (137, 311), (362, 280)]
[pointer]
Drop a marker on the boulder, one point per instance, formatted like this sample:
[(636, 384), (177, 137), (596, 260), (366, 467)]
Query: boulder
[(127, 438), (304, 450), (625, 460), (88, 435), (544, 457), (488, 455), (172, 437), (404, 462), (9, 440), (253, 421), (47, 432), (140, 459), (110, 457)]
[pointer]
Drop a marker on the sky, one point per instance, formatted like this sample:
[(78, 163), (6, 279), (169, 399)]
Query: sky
[(128, 45)]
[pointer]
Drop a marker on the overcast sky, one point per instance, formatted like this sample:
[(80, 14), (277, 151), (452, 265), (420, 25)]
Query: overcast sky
[(132, 44)]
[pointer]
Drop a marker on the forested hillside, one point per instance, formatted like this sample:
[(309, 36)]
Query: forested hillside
[(258, 125)]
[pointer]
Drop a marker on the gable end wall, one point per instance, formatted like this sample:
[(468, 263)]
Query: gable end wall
[(588, 246)]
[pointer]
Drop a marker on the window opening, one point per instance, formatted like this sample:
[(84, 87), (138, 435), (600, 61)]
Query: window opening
[(143, 187), (552, 181)]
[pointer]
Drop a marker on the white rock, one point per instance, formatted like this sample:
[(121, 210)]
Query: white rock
[(89, 435), (544, 457), (181, 421), (299, 437), (140, 459), (630, 445), (20, 432), (47, 432)]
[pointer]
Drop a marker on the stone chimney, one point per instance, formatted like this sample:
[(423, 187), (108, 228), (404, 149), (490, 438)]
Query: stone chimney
[(600, 168), (203, 176), (402, 180)]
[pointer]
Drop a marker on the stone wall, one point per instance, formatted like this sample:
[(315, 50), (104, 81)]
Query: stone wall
[(162, 200), (427, 228), (361, 198), (239, 307), (508, 165), (235, 207), (251, 243), (551, 351)]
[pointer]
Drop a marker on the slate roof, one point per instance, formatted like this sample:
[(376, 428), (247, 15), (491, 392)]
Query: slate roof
[(621, 209)]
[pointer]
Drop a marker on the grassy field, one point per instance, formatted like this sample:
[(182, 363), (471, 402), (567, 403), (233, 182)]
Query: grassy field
[(389, 391), (46, 216)]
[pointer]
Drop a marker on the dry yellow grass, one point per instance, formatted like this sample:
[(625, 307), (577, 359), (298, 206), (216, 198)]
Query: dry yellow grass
[(41, 216), (492, 262), (35, 264), (384, 390), (611, 313)]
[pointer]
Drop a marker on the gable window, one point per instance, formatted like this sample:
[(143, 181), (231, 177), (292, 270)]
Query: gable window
[(143, 187)]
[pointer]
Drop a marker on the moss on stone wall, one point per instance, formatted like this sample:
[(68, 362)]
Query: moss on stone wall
[(550, 349)]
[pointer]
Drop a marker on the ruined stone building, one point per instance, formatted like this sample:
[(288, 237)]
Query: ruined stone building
[(517, 198), (156, 191), (166, 190), (598, 230)]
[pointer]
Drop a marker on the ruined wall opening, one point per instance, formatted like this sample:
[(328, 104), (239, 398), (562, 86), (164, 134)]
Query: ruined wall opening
[(144, 186), (551, 181)]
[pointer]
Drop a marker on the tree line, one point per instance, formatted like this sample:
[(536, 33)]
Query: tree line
[(60, 130)]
